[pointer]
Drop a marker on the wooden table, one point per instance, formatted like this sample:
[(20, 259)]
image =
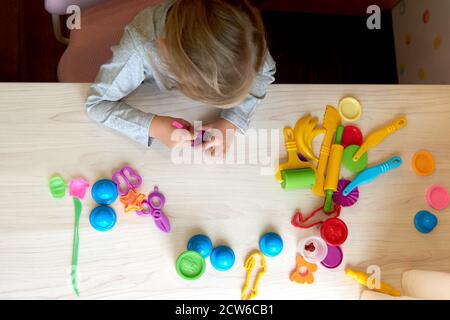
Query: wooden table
[(44, 130)]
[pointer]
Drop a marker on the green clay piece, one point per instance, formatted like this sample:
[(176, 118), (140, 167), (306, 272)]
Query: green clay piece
[(294, 179), (190, 265), (73, 274), (354, 166), (57, 187)]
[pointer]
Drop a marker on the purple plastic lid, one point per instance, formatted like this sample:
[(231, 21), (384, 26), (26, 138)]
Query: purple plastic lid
[(333, 258)]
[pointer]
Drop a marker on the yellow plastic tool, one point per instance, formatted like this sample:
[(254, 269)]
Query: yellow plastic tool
[(249, 265), (305, 131), (378, 136), (293, 162), (333, 170), (362, 278), (330, 122)]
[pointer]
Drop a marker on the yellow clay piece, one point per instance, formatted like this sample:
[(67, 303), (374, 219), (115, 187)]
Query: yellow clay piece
[(378, 136), (293, 162), (362, 278), (249, 266)]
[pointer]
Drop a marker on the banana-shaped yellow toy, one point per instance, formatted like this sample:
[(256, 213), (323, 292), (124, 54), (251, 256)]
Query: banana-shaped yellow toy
[(305, 131)]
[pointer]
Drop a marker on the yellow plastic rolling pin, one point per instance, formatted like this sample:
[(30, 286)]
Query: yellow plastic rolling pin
[(378, 136), (249, 265), (333, 170), (330, 122), (362, 278)]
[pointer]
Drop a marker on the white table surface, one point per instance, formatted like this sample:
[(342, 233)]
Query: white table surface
[(44, 130)]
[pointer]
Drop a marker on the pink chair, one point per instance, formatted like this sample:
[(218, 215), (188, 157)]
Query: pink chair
[(102, 25)]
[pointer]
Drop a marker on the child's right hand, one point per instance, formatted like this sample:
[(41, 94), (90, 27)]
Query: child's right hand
[(163, 130)]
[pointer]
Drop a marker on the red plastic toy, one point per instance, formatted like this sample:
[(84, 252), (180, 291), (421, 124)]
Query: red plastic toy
[(334, 231), (351, 136)]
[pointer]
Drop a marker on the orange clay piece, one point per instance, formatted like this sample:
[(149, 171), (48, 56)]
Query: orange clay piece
[(303, 272), (132, 201)]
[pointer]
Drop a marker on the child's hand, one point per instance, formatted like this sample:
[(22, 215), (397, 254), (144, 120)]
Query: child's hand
[(163, 130), (218, 145)]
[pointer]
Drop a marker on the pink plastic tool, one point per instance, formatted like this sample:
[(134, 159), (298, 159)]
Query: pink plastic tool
[(78, 187), (126, 179), (345, 201), (438, 197), (153, 207), (178, 125), (199, 136), (308, 222)]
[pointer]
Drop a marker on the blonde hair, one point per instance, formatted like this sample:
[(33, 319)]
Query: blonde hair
[(214, 48)]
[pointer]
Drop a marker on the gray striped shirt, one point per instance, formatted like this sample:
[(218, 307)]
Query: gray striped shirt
[(135, 60)]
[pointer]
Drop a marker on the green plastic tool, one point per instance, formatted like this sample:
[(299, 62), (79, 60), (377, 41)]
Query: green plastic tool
[(73, 274), (354, 166)]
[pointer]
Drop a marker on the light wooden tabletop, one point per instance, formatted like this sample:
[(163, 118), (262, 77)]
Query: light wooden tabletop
[(44, 130)]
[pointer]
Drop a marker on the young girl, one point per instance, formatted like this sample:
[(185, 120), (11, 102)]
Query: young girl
[(213, 51)]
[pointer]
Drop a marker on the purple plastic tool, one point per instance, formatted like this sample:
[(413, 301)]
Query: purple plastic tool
[(153, 207), (126, 179), (345, 201)]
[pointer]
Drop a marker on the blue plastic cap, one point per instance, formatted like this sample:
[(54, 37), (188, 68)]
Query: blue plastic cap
[(271, 244), (104, 191), (201, 244), (425, 221), (102, 218), (222, 258)]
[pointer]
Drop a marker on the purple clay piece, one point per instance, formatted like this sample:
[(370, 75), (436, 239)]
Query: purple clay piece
[(345, 201)]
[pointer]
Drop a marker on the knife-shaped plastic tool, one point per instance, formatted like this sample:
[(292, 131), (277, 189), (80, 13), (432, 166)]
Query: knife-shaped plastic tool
[(372, 173)]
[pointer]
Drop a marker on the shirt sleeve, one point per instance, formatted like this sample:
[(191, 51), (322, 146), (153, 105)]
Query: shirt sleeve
[(116, 79), (242, 114)]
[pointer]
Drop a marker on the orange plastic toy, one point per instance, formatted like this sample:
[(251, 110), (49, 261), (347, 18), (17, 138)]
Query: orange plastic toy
[(132, 201), (303, 272), (423, 163)]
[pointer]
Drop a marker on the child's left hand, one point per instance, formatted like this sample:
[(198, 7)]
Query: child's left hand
[(218, 145)]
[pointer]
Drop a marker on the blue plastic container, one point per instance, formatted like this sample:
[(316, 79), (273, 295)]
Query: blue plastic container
[(271, 244), (102, 218), (104, 191), (201, 244), (222, 258), (425, 221)]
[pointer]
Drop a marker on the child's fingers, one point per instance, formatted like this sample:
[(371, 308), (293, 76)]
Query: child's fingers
[(209, 144), (181, 135), (206, 127)]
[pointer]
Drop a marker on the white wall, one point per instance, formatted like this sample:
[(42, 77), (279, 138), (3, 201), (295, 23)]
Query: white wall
[(422, 40)]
